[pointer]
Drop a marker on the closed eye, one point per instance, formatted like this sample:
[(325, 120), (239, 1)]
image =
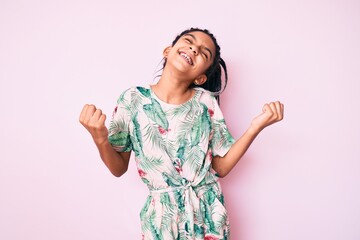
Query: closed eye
[(205, 55), (190, 42), (187, 40)]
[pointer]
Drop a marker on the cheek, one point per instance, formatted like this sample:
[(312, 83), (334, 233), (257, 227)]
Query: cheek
[(206, 65)]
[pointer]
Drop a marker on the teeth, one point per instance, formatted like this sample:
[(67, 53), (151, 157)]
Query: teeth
[(187, 58)]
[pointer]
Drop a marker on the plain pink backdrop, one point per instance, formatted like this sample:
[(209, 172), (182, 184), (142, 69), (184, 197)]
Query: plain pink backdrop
[(299, 180)]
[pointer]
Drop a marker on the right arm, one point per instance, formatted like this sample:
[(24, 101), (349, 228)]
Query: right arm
[(94, 121)]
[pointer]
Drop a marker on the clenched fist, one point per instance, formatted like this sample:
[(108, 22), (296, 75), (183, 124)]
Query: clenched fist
[(94, 121), (271, 113)]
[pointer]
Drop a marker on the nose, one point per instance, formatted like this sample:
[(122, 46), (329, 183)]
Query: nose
[(194, 49)]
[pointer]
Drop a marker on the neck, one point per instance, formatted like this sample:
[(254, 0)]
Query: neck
[(172, 89)]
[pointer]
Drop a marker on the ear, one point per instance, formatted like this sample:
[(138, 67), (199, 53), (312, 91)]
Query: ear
[(166, 51), (200, 80)]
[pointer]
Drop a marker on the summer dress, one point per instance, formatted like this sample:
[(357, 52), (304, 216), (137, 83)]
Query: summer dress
[(174, 146)]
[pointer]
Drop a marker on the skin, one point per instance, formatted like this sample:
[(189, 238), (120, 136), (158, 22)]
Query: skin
[(173, 87)]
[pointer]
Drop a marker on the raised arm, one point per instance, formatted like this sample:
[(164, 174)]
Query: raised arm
[(271, 113), (94, 121)]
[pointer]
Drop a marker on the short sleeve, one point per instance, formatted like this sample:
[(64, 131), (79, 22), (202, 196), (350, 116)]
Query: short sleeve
[(119, 131), (221, 140)]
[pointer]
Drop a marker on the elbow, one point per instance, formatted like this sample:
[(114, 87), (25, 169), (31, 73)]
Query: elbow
[(220, 168), (220, 171), (118, 173), (222, 174)]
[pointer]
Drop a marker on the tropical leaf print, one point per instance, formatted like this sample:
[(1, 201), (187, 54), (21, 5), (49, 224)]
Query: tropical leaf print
[(154, 138), (173, 151), (145, 207), (121, 140), (137, 102), (155, 113), (199, 231), (150, 164), (119, 136), (220, 220), (179, 198), (195, 133), (119, 125), (144, 91), (122, 98), (209, 222), (210, 196), (156, 232), (168, 211), (194, 158), (201, 127), (222, 138), (137, 131), (181, 111), (181, 152), (170, 180)]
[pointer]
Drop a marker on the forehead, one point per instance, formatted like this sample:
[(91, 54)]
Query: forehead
[(202, 38)]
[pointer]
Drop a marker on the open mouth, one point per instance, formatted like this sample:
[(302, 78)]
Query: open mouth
[(186, 57)]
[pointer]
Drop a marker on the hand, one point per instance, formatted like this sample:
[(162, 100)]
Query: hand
[(271, 113), (94, 121)]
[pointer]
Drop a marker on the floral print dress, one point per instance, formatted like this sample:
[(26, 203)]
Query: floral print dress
[(174, 146)]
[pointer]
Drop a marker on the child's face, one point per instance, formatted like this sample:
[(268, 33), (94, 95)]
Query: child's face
[(192, 54)]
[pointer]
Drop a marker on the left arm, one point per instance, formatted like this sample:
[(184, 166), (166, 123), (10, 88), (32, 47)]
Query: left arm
[(272, 113)]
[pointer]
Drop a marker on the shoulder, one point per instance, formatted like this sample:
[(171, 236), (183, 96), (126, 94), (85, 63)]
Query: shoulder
[(207, 98), (129, 94)]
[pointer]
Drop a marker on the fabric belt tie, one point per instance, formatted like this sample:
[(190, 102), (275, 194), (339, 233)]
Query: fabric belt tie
[(191, 200)]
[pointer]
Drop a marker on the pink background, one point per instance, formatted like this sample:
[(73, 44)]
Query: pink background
[(299, 180)]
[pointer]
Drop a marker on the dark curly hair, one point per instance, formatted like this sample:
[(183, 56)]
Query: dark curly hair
[(213, 73)]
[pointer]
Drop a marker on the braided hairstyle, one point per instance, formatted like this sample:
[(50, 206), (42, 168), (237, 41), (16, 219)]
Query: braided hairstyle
[(213, 73)]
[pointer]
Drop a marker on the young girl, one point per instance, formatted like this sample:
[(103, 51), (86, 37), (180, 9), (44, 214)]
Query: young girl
[(180, 140)]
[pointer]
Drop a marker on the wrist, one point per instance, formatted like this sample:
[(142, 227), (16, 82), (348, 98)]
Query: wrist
[(254, 130), (101, 142)]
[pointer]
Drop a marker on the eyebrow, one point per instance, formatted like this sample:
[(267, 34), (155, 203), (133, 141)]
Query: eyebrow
[(207, 49)]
